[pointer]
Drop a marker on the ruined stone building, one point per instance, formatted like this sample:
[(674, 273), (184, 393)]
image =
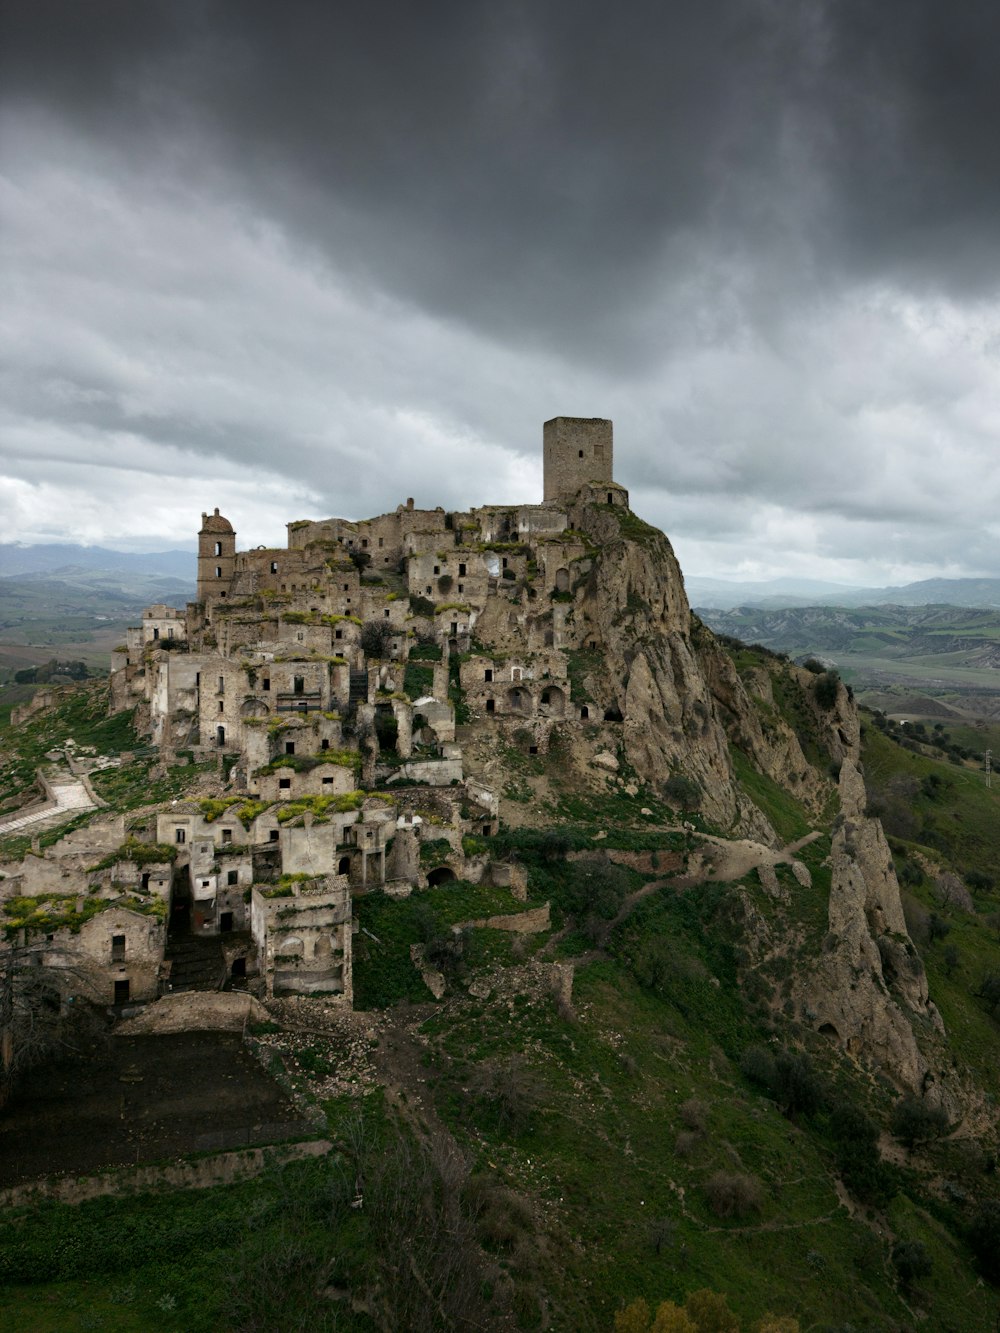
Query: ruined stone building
[(338, 683)]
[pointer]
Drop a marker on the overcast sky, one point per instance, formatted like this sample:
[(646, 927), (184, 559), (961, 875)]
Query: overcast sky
[(300, 259)]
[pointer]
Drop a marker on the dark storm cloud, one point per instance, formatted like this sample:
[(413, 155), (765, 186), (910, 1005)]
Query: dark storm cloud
[(287, 239), (492, 160)]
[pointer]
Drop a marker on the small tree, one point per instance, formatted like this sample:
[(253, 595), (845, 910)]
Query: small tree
[(911, 1261), (732, 1194), (914, 1122), (682, 792), (376, 635), (710, 1313), (984, 1240), (989, 991), (826, 689), (670, 1318)]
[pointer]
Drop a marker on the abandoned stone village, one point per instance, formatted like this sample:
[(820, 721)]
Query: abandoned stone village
[(350, 688)]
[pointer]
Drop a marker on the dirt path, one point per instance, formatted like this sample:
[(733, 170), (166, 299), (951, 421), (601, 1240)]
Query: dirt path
[(737, 858)]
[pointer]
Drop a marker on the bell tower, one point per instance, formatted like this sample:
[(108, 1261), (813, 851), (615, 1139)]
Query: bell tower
[(216, 556)]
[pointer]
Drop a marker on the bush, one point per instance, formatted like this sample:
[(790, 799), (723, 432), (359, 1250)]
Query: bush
[(984, 1240), (913, 1121), (731, 1194), (911, 1261), (855, 1137), (376, 635), (788, 1077), (826, 689), (989, 990), (682, 792), (694, 1114)]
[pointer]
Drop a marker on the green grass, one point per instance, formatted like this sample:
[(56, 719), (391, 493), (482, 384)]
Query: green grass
[(383, 972), (786, 815)]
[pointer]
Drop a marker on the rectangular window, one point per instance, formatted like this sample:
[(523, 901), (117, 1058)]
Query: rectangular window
[(328, 782), (222, 684), (179, 835), (232, 876), (265, 684), (491, 706), (488, 674), (461, 571), (364, 541), (170, 633), (156, 632), (227, 835), (437, 569), (218, 571), (118, 948), (274, 835), (338, 634), (381, 541), (121, 992), (300, 684), (284, 784), (274, 566), (289, 747), (218, 548), (324, 744)]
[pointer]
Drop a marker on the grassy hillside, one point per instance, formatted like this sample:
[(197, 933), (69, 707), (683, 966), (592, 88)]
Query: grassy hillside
[(515, 1157)]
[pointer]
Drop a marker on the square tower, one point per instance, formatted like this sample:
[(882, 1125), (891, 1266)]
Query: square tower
[(576, 450)]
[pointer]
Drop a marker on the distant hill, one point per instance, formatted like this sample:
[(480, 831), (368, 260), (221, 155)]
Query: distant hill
[(59, 558), (724, 595), (938, 646), (76, 601)]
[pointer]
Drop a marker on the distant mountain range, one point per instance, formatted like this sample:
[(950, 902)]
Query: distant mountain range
[(775, 593), (76, 601), (64, 559)]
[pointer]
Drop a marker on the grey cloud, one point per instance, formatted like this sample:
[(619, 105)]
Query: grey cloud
[(248, 240)]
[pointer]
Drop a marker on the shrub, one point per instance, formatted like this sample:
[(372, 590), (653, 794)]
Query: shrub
[(911, 1261), (855, 1137), (788, 1077), (376, 635), (732, 1194), (989, 990), (913, 1121), (682, 792), (826, 689), (694, 1114), (984, 1240)]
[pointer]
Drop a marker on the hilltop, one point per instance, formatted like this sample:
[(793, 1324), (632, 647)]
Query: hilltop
[(577, 932)]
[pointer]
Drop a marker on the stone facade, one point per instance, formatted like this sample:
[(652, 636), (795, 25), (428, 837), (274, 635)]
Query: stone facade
[(576, 450)]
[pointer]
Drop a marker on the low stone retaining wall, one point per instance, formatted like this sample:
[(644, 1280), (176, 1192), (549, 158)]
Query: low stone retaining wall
[(224, 1169)]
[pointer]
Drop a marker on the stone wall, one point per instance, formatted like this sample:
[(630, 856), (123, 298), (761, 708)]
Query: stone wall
[(576, 450)]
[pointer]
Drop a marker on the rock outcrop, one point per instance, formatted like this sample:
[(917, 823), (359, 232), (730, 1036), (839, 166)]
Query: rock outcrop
[(869, 986)]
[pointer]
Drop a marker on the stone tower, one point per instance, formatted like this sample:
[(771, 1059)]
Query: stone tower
[(576, 451), (216, 556)]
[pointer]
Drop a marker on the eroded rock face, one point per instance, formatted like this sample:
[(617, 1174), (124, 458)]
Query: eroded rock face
[(634, 605), (869, 984)]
